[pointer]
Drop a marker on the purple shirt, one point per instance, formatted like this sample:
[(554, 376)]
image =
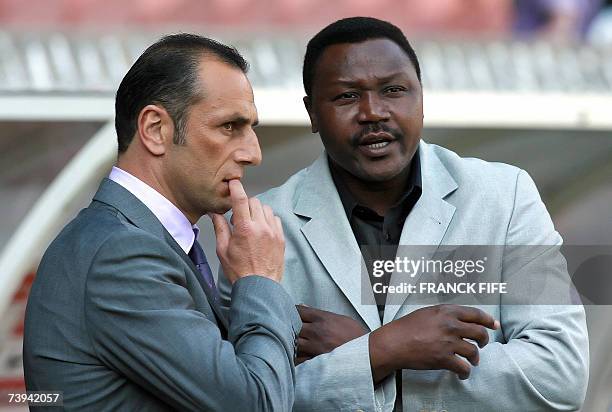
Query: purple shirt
[(175, 222)]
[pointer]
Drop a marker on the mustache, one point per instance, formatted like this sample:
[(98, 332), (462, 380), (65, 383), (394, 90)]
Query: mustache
[(375, 128)]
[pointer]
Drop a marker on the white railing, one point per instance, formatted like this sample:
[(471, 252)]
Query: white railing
[(25, 247)]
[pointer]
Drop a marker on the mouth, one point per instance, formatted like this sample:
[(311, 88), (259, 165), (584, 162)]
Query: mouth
[(226, 181), (376, 144), (232, 177)]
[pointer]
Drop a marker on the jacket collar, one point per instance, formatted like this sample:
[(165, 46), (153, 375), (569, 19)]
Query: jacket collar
[(330, 235), (116, 196)]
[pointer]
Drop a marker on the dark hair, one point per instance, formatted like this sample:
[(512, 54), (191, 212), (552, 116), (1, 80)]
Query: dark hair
[(167, 74), (352, 30)]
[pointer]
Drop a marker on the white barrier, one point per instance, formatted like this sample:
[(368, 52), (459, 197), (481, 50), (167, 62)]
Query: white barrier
[(42, 223)]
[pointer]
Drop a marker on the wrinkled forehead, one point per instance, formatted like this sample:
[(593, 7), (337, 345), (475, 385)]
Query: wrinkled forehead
[(225, 91), (217, 78), (370, 58)]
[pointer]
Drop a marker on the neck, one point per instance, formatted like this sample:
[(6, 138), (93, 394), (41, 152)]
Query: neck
[(154, 180), (378, 196)]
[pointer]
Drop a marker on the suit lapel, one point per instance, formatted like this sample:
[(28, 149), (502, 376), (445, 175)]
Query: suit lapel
[(115, 195), (330, 235), (427, 222), (214, 304), (136, 212)]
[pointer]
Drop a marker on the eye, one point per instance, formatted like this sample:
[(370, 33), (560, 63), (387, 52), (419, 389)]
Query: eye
[(347, 96), (394, 90), (229, 126)]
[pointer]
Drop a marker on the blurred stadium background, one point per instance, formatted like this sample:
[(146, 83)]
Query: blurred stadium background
[(523, 82)]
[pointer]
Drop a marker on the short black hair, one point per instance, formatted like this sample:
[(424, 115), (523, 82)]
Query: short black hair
[(166, 74), (352, 30)]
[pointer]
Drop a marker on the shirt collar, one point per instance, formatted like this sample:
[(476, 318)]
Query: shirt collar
[(173, 220)]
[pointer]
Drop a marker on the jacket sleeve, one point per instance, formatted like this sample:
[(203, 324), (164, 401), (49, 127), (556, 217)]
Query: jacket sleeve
[(543, 361), (336, 381), (342, 380), (142, 323)]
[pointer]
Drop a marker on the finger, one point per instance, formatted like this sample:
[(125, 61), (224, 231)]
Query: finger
[(305, 348), (306, 331), (257, 213), (459, 366), (474, 332), (300, 309), (240, 201), (222, 231), (468, 351), (474, 315), (269, 215), (307, 314)]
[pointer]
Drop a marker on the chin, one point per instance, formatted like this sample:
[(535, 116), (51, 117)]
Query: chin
[(219, 205), (383, 172), (379, 175), (223, 207), (378, 178), (222, 201)]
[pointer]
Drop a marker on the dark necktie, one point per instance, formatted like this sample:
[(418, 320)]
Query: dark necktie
[(197, 256)]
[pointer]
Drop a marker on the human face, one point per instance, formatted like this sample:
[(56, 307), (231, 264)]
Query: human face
[(219, 141), (367, 105)]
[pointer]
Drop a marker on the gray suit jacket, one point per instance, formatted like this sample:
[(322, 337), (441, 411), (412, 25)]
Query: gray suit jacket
[(117, 319), (537, 361)]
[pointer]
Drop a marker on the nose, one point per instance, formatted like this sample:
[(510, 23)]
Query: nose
[(249, 154), (372, 108)]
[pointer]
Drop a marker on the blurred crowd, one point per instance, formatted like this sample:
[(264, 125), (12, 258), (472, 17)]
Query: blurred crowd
[(559, 20), (563, 19)]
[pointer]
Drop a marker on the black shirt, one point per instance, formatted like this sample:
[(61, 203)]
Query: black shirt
[(378, 236)]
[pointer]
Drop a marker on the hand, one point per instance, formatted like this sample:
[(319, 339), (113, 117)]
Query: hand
[(324, 331), (256, 245), (430, 338)]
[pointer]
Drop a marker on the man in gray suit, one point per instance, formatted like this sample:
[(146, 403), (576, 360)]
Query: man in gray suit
[(124, 313), (378, 184)]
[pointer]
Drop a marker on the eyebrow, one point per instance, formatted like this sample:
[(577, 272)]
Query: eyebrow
[(352, 82), (238, 118)]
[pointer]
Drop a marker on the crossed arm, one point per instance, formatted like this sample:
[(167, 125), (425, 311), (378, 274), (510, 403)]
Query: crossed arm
[(540, 362)]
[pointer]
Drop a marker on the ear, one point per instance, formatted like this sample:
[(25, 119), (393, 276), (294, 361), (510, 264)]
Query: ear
[(422, 111), (314, 128), (155, 129)]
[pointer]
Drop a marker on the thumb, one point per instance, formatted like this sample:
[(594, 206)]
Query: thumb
[(222, 231)]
